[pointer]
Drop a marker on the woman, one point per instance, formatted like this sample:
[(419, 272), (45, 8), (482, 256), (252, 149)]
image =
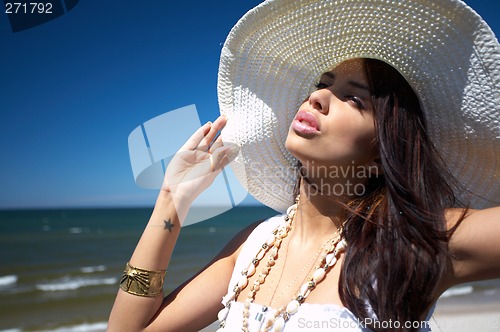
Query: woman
[(381, 154)]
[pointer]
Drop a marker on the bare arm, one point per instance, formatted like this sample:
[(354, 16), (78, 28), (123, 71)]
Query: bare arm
[(189, 173), (475, 246), (198, 300), (190, 307), (153, 252)]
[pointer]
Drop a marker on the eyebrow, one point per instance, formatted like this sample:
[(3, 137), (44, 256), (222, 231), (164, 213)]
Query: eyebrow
[(328, 74), (355, 84), (358, 85)]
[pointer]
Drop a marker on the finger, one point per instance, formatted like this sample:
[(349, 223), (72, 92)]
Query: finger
[(216, 158), (212, 163), (217, 143), (222, 156), (195, 139), (214, 132)]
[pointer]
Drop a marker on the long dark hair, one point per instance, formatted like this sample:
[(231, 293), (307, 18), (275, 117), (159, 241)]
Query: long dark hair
[(396, 234)]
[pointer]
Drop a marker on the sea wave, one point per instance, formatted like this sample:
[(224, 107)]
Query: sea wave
[(86, 327), (459, 290), (75, 230), (92, 269), (67, 283), (8, 280)]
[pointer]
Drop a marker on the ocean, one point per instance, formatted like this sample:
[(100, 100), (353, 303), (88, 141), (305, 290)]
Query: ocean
[(59, 269)]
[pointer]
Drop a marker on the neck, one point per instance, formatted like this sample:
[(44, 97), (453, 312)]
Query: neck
[(318, 217)]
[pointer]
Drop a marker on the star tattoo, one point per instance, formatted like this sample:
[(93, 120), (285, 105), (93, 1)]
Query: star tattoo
[(168, 225)]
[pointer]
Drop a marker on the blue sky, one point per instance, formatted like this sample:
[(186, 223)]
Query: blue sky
[(74, 88)]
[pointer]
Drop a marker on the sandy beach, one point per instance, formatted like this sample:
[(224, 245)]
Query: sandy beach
[(487, 321), (471, 313)]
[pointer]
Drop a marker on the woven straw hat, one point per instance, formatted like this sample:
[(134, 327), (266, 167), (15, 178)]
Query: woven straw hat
[(278, 50)]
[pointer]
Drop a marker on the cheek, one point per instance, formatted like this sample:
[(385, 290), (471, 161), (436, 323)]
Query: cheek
[(364, 136), (354, 137), (365, 145), (355, 129), (365, 140)]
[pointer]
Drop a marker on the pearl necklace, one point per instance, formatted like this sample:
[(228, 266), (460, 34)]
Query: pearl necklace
[(277, 322)]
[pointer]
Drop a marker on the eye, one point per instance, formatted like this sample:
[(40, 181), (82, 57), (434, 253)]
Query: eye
[(321, 85), (356, 102)]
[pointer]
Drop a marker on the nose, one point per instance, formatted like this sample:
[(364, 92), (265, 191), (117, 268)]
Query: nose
[(319, 100)]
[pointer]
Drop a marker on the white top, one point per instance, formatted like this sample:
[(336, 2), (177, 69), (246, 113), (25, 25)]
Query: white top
[(309, 317)]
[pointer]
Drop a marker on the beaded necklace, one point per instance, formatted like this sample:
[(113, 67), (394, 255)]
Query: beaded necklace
[(282, 315), (307, 268)]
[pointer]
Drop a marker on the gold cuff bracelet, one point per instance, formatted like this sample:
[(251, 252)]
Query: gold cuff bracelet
[(142, 282)]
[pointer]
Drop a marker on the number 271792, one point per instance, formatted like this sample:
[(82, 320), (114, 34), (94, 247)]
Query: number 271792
[(28, 8)]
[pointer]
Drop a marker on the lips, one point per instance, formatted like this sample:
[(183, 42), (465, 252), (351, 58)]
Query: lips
[(305, 123)]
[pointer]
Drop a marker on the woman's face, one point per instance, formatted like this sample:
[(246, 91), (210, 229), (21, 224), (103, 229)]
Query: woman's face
[(335, 124)]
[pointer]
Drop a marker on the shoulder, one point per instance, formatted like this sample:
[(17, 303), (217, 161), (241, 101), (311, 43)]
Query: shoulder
[(452, 215), (474, 244), (254, 233), (469, 225)]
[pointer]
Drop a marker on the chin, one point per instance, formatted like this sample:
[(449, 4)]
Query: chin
[(296, 148), (291, 144)]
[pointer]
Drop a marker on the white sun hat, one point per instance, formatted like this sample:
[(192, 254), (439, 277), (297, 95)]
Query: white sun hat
[(278, 50)]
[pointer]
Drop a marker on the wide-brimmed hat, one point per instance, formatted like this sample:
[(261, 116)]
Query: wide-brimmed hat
[(278, 50)]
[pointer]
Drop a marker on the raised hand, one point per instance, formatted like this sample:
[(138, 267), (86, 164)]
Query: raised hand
[(197, 163)]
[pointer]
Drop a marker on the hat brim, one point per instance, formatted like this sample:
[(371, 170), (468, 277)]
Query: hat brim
[(277, 51)]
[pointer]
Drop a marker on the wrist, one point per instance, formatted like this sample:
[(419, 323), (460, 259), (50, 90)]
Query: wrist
[(171, 203)]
